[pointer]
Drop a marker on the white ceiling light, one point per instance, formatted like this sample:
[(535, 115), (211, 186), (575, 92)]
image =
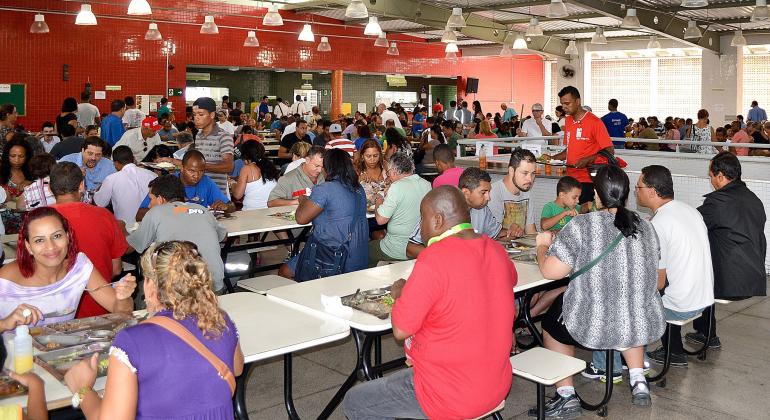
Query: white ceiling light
[(448, 35), (572, 48), (153, 34), (85, 17), (209, 27), (272, 17), (251, 40), (139, 8), (356, 10), (456, 20), (738, 39), (760, 11), (324, 45), (695, 3), (599, 38), (39, 26), (692, 30), (450, 56), (557, 9), (534, 28), (631, 21), (306, 34), (519, 43), (451, 47), (393, 50), (381, 41), (373, 27), (654, 44), (506, 51)]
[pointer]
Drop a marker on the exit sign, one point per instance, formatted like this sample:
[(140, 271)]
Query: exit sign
[(174, 92)]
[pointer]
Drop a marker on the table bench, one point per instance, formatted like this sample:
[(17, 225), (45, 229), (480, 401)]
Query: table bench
[(262, 284)]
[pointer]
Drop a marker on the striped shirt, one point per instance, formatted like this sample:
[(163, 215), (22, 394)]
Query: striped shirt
[(343, 144), (214, 147)]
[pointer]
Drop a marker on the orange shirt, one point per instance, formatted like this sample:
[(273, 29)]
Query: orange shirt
[(584, 138)]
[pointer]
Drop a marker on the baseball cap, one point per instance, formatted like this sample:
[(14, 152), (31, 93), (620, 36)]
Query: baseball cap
[(335, 128), (151, 122), (537, 107), (205, 103)]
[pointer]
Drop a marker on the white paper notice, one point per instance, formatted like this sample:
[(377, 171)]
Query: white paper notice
[(100, 94), (5, 88)]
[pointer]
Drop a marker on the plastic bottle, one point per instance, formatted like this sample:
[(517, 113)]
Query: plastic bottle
[(22, 350), (482, 158)]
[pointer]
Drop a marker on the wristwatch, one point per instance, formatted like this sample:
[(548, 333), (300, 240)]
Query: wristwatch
[(77, 397)]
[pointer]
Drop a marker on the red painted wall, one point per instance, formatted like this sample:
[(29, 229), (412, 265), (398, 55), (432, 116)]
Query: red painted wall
[(115, 53)]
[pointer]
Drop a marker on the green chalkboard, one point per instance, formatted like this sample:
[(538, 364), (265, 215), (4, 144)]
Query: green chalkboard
[(17, 96)]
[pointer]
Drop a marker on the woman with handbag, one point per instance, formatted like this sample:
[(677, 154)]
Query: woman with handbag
[(611, 302), (337, 207), (162, 368)]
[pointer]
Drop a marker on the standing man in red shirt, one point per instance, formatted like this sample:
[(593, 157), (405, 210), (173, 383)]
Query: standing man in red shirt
[(455, 315), (438, 108), (97, 232), (585, 136)]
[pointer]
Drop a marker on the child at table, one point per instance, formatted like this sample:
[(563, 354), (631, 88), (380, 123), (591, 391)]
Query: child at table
[(556, 214), (36, 407)]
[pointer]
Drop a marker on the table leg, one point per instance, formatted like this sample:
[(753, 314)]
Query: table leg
[(241, 413), (288, 399), (298, 240), (540, 402), (349, 382), (527, 315), (378, 351), (225, 251)]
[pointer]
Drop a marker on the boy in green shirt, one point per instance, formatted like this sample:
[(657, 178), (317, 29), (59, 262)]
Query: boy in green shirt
[(558, 213)]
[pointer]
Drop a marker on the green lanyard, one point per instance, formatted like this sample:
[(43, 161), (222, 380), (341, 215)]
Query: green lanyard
[(450, 232)]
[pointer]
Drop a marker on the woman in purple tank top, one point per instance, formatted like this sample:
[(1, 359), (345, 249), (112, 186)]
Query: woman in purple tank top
[(152, 372)]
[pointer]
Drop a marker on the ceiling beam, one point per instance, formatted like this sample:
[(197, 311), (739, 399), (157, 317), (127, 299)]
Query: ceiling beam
[(573, 18), (711, 6), (667, 25)]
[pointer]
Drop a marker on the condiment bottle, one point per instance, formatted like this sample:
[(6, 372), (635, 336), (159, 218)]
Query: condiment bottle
[(482, 158), (22, 350)]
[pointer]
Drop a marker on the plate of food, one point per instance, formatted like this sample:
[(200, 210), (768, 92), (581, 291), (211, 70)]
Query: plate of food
[(287, 215), (377, 302), (58, 362), (48, 342)]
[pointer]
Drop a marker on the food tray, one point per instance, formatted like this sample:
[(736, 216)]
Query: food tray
[(80, 331), (287, 215), (377, 302), (58, 362), (9, 387), (101, 322)]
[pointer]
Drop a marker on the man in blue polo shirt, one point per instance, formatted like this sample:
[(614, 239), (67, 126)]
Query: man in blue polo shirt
[(198, 187), (90, 160), (616, 123), (112, 125)]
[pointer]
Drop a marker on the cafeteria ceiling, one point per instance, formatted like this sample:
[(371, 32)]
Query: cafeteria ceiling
[(495, 21)]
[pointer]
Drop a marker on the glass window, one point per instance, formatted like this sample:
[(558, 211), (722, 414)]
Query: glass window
[(755, 86), (679, 87), (627, 80)]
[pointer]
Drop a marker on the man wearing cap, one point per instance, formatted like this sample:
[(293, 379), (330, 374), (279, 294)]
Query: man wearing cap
[(339, 142), (141, 140), (214, 142), (535, 126)]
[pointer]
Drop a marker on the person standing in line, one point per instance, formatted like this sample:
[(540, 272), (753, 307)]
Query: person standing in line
[(88, 113), (616, 123), (756, 113)]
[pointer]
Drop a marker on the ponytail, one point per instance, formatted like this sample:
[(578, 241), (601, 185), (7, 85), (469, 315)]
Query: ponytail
[(627, 221), (612, 186), (269, 171)]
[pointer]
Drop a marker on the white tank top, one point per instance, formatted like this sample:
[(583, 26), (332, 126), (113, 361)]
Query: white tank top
[(257, 193)]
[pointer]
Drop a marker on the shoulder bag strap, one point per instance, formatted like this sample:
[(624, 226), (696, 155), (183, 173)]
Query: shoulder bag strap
[(596, 260), (180, 331)]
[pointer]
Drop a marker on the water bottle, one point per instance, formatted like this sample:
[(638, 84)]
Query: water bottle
[(22, 350), (482, 158)]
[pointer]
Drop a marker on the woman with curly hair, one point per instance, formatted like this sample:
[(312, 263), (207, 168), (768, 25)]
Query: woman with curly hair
[(154, 374), (15, 175)]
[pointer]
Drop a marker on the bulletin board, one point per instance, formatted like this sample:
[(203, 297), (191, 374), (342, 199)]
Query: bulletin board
[(16, 96)]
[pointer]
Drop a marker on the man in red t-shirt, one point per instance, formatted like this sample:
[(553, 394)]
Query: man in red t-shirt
[(455, 315), (97, 232), (585, 135), (438, 108)]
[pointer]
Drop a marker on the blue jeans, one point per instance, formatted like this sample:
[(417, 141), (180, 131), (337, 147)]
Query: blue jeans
[(600, 360), (385, 398)]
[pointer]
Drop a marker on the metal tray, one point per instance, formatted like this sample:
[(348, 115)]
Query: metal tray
[(9, 387), (58, 362), (370, 301)]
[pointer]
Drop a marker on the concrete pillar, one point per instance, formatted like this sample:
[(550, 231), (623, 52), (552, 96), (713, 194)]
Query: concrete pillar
[(336, 93)]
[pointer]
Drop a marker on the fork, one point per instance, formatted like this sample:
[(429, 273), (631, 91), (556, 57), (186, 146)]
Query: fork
[(103, 286)]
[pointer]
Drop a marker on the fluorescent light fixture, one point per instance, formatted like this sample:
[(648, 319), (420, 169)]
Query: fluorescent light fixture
[(451, 47), (306, 34), (506, 51), (534, 28), (251, 40), (272, 17), (85, 17), (599, 38), (695, 3), (738, 39), (139, 8), (153, 34), (381, 41), (356, 10), (654, 44), (456, 20), (393, 50), (557, 9), (692, 31), (572, 48), (519, 43), (324, 45), (39, 26), (373, 27), (760, 11), (631, 21), (448, 35), (209, 27)]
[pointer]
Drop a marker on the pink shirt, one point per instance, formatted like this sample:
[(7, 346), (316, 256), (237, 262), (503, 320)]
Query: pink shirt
[(450, 177), (741, 137)]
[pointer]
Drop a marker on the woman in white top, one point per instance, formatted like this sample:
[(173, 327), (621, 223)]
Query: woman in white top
[(257, 178), (702, 131)]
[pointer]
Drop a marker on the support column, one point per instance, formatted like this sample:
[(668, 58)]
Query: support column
[(336, 94)]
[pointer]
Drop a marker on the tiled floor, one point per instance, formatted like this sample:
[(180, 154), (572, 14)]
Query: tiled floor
[(733, 382)]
